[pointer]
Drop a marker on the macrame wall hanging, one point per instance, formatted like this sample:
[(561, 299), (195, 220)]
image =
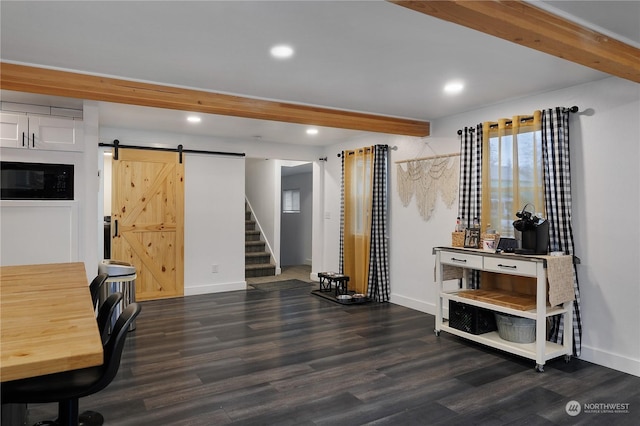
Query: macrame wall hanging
[(427, 177)]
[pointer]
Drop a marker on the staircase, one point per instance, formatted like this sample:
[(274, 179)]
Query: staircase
[(257, 260)]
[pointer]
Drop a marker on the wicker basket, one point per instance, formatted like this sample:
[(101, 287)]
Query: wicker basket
[(516, 329), (457, 239)]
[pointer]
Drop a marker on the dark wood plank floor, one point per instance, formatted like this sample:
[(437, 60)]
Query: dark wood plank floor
[(290, 358)]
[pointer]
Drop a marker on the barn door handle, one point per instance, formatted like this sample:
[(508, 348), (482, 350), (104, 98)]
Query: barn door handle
[(22, 138), (115, 234), (33, 142)]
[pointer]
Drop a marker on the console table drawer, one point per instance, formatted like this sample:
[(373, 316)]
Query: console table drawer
[(461, 259), (505, 265)]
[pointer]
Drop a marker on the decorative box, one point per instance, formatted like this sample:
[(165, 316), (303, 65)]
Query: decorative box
[(489, 241)]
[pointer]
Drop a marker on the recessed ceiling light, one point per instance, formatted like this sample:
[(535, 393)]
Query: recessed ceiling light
[(282, 51), (193, 119), (454, 87), (312, 131)]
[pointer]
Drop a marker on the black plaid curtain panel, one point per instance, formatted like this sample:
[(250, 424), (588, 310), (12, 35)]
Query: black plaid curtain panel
[(341, 264), (378, 284), (470, 174), (557, 194), (470, 202)]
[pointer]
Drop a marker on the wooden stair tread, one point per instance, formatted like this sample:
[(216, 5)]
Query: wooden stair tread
[(257, 254), (260, 265), (519, 301)]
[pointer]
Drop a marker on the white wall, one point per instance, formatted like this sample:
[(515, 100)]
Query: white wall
[(605, 153), (214, 224), (107, 176)]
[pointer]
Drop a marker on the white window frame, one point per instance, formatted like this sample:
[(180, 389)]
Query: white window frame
[(291, 201)]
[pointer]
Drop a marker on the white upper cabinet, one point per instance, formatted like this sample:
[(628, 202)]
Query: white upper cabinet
[(13, 130), (40, 132)]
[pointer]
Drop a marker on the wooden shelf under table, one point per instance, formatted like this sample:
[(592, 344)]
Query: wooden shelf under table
[(492, 306), (527, 350), (518, 301)]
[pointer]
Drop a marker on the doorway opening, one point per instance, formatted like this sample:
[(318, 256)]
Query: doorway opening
[(280, 193)]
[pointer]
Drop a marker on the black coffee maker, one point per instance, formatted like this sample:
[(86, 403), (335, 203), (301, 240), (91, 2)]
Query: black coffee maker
[(534, 233)]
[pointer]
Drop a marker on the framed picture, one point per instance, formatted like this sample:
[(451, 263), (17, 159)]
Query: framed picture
[(471, 238)]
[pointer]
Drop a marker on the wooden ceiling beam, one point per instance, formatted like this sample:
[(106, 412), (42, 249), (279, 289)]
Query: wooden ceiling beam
[(45, 81), (524, 24)]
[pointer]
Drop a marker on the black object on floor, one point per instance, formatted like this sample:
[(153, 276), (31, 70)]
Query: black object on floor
[(333, 298)]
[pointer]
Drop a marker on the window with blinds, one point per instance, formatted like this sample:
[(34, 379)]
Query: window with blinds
[(291, 201)]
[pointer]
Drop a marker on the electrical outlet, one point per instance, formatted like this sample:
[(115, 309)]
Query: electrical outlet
[(214, 268)]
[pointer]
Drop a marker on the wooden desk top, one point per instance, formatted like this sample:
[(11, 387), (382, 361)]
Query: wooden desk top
[(47, 324)]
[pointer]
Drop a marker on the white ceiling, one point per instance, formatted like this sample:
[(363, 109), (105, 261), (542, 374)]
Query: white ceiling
[(367, 56)]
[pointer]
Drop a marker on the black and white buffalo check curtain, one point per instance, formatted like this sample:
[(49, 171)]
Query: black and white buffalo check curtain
[(378, 268), (378, 288), (342, 207), (557, 195), (470, 202)]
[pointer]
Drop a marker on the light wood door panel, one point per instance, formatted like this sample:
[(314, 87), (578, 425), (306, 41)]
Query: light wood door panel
[(148, 204)]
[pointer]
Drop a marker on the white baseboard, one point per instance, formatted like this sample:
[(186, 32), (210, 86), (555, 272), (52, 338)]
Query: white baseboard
[(418, 305), (610, 360), (193, 290)]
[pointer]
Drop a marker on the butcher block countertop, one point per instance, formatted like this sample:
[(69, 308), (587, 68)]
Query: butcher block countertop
[(47, 322)]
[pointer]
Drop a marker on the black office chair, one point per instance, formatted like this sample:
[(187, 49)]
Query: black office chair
[(95, 287), (67, 387), (105, 312)]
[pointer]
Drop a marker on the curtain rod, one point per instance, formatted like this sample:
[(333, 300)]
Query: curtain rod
[(116, 145), (572, 109), (433, 157)]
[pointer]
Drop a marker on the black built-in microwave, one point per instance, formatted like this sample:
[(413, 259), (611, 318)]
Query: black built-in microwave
[(36, 181)]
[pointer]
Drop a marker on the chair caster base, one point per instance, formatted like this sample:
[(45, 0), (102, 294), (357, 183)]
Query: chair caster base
[(86, 418)]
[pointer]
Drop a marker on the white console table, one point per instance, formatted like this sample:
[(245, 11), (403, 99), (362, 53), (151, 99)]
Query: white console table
[(510, 264)]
